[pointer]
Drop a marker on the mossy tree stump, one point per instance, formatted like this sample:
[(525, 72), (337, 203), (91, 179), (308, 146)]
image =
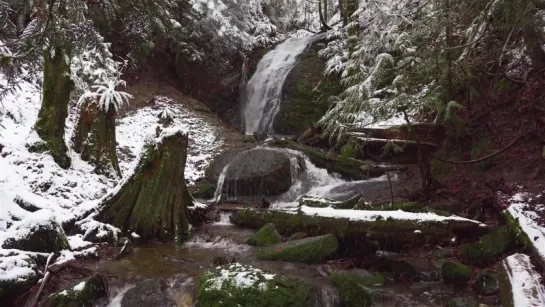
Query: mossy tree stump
[(95, 138), (154, 200), (54, 109)]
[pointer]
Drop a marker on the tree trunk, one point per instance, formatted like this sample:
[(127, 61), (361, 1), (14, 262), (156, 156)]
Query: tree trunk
[(342, 9), (54, 110), (325, 26), (95, 139), (154, 201), (533, 43)]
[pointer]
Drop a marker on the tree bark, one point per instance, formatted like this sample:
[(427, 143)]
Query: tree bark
[(95, 139), (325, 26), (54, 110), (154, 202), (342, 10)]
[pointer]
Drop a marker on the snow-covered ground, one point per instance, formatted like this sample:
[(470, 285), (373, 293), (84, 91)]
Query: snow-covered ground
[(63, 195), (526, 287)]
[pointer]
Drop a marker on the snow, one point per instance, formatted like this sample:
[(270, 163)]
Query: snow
[(527, 219), (16, 267), (79, 287), (76, 242), (527, 289), (369, 215), (240, 276)]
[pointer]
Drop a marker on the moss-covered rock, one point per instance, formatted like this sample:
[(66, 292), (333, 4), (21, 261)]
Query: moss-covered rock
[(266, 236), (236, 285), (297, 236), (486, 283), (353, 288), (39, 235), (202, 190), (308, 250), (489, 247), (455, 273), (84, 294), (306, 93), (19, 273)]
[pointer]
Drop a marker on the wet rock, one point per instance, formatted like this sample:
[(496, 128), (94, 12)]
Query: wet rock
[(408, 268), (126, 249), (353, 288), (39, 235), (309, 250), (489, 247), (222, 260), (19, 273), (202, 190), (486, 283), (84, 294), (149, 292), (260, 172), (245, 286), (455, 273), (266, 236), (442, 253), (467, 301)]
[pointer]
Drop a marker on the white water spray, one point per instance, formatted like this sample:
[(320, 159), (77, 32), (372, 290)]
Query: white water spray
[(263, 92)]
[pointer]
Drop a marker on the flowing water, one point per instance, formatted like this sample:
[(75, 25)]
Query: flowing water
[(264, 90)]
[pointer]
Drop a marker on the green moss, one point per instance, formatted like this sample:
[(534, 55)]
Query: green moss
[(308, 250), (266, 236), (455, 273), (202, 190), (297, 236), (220, 287), (489, 247), (86, 296), (46, 238), (352, 288), (486, 283), (520, 236)]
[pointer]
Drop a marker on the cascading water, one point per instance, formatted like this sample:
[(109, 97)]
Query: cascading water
[(264, 90)]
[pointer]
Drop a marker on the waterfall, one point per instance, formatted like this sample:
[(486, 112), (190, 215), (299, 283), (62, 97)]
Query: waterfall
[(264, 90)]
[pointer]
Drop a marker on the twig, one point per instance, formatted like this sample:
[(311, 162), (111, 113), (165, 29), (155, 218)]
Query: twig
[(391, 191)]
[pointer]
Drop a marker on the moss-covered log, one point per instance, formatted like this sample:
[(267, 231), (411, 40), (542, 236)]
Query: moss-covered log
[(349, 168), (54, 110), (95, 138), (154, 201), (391, 234)]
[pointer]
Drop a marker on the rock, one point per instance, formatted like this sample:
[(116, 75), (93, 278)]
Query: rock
[(245, 286), (486, 283), (261, 172), (455, 273), (266, 236), (408, 268), (352, 288), (126, 249), (442, 253), (520, 282), (309, 250), (97, 232), (222, 260), (41, 234), (84, 294), (305, 93), (467, 301), (489, 247), (149, 292), (202, 190), (19, 274)]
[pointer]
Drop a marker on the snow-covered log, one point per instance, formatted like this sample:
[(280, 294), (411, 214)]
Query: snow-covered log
[(520, 284)]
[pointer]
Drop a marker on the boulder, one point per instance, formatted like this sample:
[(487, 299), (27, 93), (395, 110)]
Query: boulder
[(353, 288), (308, 250), (245, 286), (486, 283), (202, 190), (455, 273), (297, 236), (149, 292), (84, 294), (489, 247), (260, 172), (266, 236), (18, 273), (40, 232), (408, 268)]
